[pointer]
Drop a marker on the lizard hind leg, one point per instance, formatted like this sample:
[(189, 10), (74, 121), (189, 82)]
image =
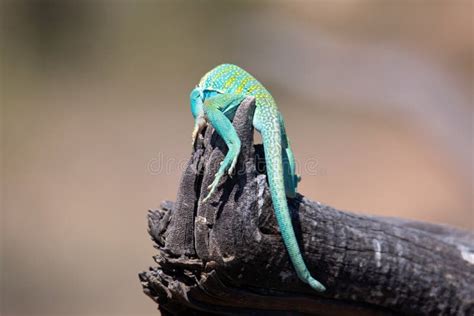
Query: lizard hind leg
[(289, 164), (216, 109)]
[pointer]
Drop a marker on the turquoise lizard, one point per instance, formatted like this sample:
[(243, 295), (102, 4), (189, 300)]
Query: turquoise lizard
[(214, 101)]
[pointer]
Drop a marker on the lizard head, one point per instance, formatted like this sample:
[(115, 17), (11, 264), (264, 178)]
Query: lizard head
[(196, 98)]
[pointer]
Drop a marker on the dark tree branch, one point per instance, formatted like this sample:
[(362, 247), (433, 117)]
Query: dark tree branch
[(226, 256)]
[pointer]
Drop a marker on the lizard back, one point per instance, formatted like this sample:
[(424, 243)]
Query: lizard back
[(228, 78)]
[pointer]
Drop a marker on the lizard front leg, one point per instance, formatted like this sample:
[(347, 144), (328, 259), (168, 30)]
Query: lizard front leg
[(198, 113), (219, 110)]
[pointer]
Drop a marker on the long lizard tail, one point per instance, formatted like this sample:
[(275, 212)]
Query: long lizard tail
[(273, 156)]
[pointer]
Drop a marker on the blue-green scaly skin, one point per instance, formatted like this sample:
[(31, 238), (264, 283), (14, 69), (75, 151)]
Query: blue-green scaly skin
[(228, 84)]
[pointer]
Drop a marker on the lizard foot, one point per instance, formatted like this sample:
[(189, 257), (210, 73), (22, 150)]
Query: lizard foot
[(232, 167), (212, 187)]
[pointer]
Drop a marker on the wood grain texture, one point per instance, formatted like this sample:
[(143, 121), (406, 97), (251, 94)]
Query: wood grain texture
[(226, 256)]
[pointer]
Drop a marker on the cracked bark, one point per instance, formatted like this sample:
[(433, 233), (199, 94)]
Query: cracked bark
[(226, 256)]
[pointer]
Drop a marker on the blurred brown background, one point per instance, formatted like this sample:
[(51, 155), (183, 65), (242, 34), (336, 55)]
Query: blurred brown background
[(95, 124)]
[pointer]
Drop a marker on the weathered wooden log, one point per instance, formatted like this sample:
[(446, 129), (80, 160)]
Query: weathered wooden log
[(226, 256)]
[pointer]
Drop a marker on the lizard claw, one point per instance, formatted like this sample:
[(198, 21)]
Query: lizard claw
[(207, 196), (205, 199), (232, 167), (212, 187)]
